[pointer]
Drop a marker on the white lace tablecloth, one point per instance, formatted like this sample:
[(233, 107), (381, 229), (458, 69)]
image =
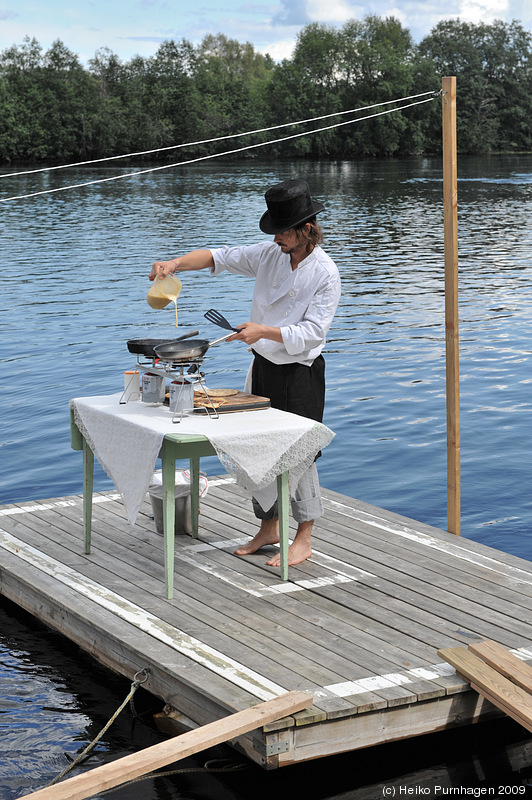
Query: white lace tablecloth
[(253, 446)]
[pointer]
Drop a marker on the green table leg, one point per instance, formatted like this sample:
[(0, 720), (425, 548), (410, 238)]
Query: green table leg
[(194, 494), (168, 470), (283, 499), (88, 478)]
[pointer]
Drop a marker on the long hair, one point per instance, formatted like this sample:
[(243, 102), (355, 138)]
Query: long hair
[(310, 237)]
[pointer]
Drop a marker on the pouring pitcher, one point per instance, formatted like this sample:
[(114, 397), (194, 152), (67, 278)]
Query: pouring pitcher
[(163, 291)]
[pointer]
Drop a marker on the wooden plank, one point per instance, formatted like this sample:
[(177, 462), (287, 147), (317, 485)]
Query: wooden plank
[(250, 672), (475, 606), (417, 537), (333, 705), (126, 654), (511, 708), (434, 623), (233, 559), (453, 562), (263, 619), (361, 662), (305, 573), (368, 702), (489, 683), (393, 521), (450, 561), (160, 755), (504, 662)]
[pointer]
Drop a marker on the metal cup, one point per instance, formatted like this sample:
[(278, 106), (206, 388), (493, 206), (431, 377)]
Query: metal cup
[(131, 385)]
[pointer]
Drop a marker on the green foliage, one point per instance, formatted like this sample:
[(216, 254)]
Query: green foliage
[(55, 110), (493, 65)]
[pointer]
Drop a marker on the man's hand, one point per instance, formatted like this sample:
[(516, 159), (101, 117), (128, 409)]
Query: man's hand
[(161, 269), (251, 332)]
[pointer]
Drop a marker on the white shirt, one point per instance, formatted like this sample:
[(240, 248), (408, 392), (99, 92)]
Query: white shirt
[(301, 302)]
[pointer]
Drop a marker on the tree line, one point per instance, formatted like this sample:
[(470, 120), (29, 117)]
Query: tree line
[(54, 109)]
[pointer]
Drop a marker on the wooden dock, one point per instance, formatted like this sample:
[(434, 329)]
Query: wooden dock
[(358, 625)]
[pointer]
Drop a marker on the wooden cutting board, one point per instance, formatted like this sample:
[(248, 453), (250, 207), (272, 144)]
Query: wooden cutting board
[(237, 402)]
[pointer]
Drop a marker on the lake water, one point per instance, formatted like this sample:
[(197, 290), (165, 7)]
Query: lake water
[(75, 279)]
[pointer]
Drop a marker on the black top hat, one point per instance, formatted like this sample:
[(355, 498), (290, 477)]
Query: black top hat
[(289, 204)]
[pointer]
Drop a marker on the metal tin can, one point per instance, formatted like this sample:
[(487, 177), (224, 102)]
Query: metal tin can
[(152, 388), (181, 395)]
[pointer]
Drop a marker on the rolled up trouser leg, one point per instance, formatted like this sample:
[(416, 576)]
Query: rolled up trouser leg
[(306, 502)]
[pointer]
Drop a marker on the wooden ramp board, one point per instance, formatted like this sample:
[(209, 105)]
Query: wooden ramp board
[(160, 755), (358, 625), (497, 675)]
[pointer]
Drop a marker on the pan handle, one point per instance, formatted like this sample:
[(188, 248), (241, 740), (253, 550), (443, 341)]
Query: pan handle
[(222, 338), (186, 336)]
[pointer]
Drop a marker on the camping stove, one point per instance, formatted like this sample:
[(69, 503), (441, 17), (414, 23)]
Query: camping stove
[(181, 375)]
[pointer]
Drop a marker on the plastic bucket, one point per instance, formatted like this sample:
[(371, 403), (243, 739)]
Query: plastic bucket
[(183, 518), (183, 508)]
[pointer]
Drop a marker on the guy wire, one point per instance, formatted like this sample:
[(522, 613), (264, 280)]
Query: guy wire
[(433, 95)]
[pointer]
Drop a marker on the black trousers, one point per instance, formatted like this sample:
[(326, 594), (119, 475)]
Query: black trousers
[(291, 387), (299, 390)]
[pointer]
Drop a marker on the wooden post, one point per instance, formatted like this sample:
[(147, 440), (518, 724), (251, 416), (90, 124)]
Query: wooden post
[(450, 235)]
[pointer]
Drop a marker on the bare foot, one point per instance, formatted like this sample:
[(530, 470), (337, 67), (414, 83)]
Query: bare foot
[(268, 534), (300, 548)]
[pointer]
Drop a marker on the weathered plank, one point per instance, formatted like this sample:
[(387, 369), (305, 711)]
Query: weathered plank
[(160, 755)]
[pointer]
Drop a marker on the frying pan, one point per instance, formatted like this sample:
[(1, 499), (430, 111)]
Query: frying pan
[(178, 352), (145, 347)]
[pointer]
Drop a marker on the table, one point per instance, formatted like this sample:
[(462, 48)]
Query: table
[(175, 446)]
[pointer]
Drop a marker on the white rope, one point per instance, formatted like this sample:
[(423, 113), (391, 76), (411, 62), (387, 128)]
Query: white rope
[(219, 155), (210, 141)]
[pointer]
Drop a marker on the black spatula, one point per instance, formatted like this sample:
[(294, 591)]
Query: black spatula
[(218, 319)]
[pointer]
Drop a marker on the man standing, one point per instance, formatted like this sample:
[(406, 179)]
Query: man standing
[(297, 290)]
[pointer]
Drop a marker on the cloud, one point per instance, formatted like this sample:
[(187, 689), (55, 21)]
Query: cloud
[(478, 11), (331, 10), (6, 14), (279, 50), (293, 12), (156, 39)]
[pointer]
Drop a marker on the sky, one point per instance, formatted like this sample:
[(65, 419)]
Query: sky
[(137, 27)]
